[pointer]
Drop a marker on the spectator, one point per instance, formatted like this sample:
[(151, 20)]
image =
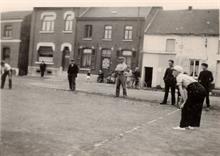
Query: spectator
[(206, 78), (129, 76), (42, 68), (137, 75), (88, 76), (170, 82), (100, 78), (72, 75)]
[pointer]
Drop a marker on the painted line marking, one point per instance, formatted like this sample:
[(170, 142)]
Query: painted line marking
[(101, 143), (152, 121), (132, 130), (173, 112)]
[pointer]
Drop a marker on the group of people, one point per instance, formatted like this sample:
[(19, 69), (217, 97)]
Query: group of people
[(192, 92)]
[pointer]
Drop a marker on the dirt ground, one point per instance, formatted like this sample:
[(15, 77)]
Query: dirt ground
[(39, 120)]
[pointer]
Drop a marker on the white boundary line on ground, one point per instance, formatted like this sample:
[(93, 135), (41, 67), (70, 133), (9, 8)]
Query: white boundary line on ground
[(101, 143)]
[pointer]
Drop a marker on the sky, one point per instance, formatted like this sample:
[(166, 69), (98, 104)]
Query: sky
[(13, 5)]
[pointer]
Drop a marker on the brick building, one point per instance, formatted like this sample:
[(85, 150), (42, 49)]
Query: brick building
[(103, 34), (52, 38), (15, 34), (95, 37)]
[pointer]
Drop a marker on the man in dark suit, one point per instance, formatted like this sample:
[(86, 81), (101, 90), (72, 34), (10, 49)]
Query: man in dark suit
[(206, 78), (72, 74), (42, 68), (170, 82)]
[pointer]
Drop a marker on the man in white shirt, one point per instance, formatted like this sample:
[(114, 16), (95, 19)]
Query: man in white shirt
[(6, 71), (121, 78)]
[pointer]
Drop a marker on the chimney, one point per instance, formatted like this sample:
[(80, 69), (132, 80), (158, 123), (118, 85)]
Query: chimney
[(190, 8)]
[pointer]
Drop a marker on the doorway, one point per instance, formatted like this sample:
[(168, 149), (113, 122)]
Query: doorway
[(106, 61), (65, 58), (6, 54), (148, 76)]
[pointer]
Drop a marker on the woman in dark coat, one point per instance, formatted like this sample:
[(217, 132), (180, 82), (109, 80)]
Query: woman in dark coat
[(193, 94)]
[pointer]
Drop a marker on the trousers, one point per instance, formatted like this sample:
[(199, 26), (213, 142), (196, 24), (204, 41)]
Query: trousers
[(192, 110), (173, 89), (121, 81), (72, 82), (3, 78)]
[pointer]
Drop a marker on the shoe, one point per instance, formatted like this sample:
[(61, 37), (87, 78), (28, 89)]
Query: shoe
[(191, 128), (179, 128), (163, 103)]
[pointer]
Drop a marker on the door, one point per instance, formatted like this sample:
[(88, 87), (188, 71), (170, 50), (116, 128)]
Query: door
[(106, 61), (6, 54), (66, 58), (217, 81), (148, 76)]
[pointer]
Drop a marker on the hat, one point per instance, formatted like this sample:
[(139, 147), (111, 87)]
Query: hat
[(121, 58), (178, 68), (205, 65)]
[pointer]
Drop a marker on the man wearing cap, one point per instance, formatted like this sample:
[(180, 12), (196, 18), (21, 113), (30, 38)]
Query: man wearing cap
[(206, 78), (193, 95), (6, 71), (170, 82), (72, 74), (121, 78)]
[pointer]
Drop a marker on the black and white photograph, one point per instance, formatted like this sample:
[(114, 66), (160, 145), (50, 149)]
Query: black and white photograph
[(110, 78)]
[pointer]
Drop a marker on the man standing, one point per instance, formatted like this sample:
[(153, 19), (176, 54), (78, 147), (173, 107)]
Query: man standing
[(72, 74), (170, 82), (121, 78), (6, 71), (42, 68), (137, 75), (206, 78)]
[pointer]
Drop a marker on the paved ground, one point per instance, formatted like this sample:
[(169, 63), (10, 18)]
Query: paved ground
[(42, 118)]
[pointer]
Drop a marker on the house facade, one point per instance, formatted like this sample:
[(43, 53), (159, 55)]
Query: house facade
[(15, 34), (104, 34), (189, 37), (52, 38), (94, 37)]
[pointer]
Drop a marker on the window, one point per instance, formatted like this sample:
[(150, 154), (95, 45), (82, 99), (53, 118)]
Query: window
[(128, 32), (8, 31), (108, 32), (128, 57), (68, 23), (48, 23), (106, 53), (170, 45), (45, 53), (88, 31), (87, 58), (68, 20), (194, 68)]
